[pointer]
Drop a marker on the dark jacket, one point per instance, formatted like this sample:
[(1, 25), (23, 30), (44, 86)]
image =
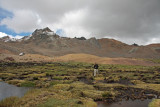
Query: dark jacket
[(96, 66)]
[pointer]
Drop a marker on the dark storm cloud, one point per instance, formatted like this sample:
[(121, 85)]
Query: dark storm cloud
[(126, 20)]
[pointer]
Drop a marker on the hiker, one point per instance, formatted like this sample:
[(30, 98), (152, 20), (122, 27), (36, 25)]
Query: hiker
[(95, 69)]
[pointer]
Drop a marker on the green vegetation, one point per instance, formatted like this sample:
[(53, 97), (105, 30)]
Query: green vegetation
[(154, 60), (62, 103), (155, 103), (72, 83), (27, 84), (9, 102)]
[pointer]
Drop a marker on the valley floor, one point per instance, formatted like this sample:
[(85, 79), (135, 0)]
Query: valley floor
[(72, 83)]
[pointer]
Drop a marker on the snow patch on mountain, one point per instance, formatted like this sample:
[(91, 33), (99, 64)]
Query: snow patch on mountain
[(10, 38)]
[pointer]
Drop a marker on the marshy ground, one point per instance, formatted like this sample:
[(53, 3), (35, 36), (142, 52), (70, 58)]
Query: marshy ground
[(71, 83)]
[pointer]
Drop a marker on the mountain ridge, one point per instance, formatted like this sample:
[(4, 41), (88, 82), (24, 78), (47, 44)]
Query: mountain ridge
[(46, 42)]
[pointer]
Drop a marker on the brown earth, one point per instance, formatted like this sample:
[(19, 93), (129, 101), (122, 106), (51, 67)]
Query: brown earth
[(25, 58), (103, 60), (77, 58)]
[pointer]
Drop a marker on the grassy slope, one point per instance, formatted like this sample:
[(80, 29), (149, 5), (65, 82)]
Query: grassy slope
[(79, 58)]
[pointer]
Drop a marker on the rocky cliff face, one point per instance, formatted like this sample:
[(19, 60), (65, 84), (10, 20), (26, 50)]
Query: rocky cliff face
[(46, 42)]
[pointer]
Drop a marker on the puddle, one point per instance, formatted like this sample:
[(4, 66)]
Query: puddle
[(124, 103), (7, 90)]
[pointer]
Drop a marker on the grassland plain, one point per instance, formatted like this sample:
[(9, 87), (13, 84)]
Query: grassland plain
[(72, 83)]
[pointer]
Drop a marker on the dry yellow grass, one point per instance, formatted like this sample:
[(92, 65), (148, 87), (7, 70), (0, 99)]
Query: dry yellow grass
[(155, 103), (78, 58), (102, 60), (26, 57)]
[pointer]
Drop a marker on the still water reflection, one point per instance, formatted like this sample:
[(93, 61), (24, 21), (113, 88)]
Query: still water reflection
[(7, 90)]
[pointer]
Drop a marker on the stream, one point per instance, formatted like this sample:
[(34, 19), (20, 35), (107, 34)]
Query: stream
[(7, 90)]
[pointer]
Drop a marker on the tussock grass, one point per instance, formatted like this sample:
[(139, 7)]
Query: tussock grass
[(72, 83), (9, 102), (155, 103)]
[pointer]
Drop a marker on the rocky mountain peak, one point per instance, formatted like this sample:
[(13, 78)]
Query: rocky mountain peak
[(43, 35), (43, 31), (47, 30), (7, 39)]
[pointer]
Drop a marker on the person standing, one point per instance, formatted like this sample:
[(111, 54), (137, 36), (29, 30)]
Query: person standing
[(95, 69)]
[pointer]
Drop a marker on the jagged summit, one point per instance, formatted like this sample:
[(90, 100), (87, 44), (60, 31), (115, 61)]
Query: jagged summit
[(44, 34), (43, 31), (47, 29), (37, 33)]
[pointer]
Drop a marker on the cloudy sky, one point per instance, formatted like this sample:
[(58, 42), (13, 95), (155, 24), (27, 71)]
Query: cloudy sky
[(130, 21)]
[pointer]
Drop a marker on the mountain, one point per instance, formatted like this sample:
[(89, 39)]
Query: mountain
[(46, 42), (7, 39)]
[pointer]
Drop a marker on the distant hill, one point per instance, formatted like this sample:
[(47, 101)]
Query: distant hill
[(103, 60), (46, 42)]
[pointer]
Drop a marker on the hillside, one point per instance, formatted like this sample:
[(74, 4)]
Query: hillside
[(46, 42), (87, 58), (103, 60)]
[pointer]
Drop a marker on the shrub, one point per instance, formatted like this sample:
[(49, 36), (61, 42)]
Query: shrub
[(9, 102), (94, 94), (9, 59), (107, 94), (61, 87)]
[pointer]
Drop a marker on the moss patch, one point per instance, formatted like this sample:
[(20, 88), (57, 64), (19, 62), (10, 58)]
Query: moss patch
[(27, 84)]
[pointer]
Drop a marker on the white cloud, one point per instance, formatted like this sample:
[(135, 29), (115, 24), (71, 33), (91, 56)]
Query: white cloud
[(71, 23), (2, 34), (22, 21), (154, 40), (17, 37), (127, 20)]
